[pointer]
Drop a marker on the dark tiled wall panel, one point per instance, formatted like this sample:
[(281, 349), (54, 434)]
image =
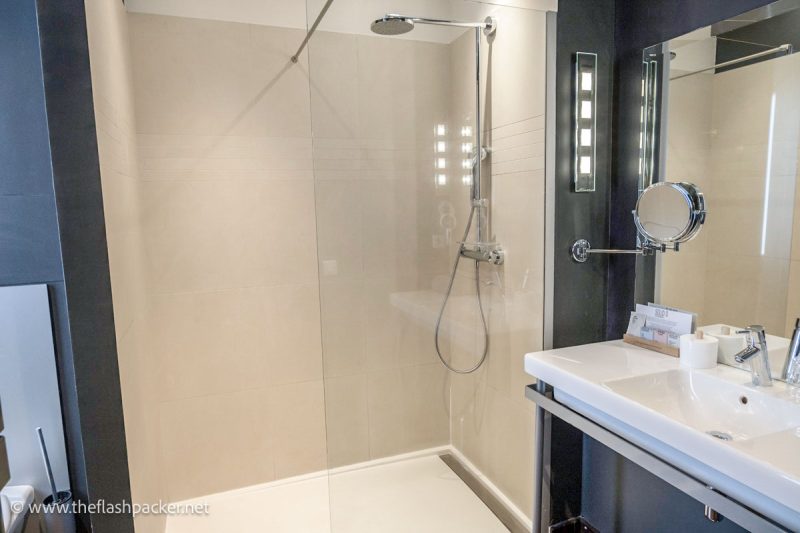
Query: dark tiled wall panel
[(79, 201), (38, 219)]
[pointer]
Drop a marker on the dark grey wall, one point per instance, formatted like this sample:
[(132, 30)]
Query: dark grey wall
[(84, 252), (52, 231), (579, 297), (29, 241), (579, 292)]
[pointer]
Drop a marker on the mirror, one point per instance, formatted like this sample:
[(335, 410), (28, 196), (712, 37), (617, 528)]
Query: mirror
[(666, 215), (721, 108), (670, 213)]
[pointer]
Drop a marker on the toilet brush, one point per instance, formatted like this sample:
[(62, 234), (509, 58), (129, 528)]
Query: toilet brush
[(47, 467), (58, 517)]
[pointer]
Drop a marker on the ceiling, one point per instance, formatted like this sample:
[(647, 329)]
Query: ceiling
[(344, 16)]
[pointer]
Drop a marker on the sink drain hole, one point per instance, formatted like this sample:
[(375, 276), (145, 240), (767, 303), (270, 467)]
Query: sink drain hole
[(721, 435)]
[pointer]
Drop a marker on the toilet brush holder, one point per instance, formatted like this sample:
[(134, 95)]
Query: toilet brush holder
[(57, 513)]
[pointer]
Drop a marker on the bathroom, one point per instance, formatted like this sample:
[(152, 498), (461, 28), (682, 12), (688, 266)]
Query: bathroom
[(325, 265)]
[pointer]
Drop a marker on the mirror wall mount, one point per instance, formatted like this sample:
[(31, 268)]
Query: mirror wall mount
[(585, 125), (667, 214), (581, 249)]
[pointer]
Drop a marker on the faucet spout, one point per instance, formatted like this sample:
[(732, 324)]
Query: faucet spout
[(757, 354), (746, 354)]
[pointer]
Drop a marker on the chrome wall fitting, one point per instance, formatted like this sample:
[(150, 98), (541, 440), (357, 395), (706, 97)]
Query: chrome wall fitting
[(581, 249), (667, 214), (487, 253)]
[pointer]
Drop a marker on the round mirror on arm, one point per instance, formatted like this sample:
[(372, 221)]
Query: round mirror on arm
[(667, 214)]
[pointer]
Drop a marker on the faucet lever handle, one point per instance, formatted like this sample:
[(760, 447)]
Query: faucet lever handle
[(750, 340), (755, 333)]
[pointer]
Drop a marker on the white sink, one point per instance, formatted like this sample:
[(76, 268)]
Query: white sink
[(720, 408), (650, 400)]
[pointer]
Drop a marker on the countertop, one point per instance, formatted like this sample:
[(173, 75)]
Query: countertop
[(762, 472)]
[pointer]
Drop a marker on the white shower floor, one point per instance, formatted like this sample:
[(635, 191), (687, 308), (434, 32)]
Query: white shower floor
[(416, 495)]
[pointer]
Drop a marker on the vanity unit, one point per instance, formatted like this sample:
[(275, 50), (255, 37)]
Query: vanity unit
[(711, 434)]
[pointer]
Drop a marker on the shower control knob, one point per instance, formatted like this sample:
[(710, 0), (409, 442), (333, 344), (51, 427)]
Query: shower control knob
[(497, 256)]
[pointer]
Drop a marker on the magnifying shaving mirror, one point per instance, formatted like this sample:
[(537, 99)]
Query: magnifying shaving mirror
[(667, 215)]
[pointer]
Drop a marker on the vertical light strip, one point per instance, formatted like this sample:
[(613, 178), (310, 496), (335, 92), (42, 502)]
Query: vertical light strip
[(585, 135), (768, 176)]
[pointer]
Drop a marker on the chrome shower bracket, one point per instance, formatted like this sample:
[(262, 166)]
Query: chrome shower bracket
[(581, 249), (490, 26)]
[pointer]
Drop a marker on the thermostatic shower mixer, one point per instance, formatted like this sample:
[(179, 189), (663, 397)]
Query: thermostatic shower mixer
[(487, 252)]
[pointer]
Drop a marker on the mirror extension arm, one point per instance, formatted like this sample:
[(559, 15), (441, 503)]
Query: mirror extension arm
[(582, 248), (666, 215)]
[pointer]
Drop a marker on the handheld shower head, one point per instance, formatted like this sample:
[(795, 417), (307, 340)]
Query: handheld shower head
[(392, 25)]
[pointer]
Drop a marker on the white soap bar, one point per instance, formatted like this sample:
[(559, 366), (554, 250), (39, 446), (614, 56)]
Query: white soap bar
[(698, 353)]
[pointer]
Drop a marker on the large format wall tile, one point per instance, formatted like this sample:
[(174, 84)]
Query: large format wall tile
[(491, 421), (216, 234), (216, 442), (112, 88), (201, 77)]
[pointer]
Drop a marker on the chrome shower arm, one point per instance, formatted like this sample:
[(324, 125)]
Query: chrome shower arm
[(487, 25)]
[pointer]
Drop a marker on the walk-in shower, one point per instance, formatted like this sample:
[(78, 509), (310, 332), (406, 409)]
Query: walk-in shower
[(482, 249)]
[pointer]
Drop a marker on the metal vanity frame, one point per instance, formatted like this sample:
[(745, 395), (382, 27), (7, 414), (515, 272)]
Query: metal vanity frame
[(715, 502)]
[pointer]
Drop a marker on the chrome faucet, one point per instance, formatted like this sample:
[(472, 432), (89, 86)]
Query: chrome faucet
[(791, 370), (757, 354)]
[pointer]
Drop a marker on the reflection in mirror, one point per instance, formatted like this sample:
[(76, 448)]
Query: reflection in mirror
[(670, 213), (732, 108), (653, 69)]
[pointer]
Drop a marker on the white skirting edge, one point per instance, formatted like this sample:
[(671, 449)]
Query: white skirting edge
[(486, 482), (313, 475), (491, 487)]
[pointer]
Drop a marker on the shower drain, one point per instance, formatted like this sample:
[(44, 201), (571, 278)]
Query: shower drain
[(721, 435)]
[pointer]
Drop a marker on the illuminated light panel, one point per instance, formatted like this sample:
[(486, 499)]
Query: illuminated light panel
[(586, 109), (586, 81), (586, 165), (586, 137)]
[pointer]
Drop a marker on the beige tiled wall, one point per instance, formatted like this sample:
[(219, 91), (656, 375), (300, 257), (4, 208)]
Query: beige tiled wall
[(793, 291), (227, 190), (492, 422), (375, 102), (689, 159), (116, 136), (249, 177), (719, 137)]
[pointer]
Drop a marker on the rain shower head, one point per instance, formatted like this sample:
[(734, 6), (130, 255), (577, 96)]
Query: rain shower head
[(392, 25)]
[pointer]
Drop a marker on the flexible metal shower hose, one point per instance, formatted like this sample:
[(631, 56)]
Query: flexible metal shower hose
[(480, 306)]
